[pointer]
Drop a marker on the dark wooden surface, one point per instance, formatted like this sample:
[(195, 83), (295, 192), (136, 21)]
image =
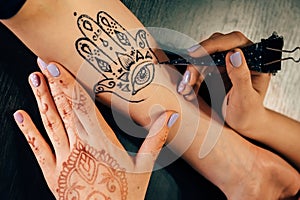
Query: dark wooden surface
[(20, 177)]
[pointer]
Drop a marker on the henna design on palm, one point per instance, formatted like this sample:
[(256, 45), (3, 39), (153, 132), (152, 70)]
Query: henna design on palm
[(87, 166), (124, 60)]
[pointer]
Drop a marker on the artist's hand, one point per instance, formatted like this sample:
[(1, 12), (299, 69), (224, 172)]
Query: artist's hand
[(194, 75), (88, 162), (243, 106), (244, 102)]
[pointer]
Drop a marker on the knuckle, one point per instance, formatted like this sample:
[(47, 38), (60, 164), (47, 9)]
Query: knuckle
[(216, 34), (237, 34), (243, 39), (187, 90)]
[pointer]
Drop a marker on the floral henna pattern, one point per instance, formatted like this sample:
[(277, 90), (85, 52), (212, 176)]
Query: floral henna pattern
[(87, 167), (124, 60)]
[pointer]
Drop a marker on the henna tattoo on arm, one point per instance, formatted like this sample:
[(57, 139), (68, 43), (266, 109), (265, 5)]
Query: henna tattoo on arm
[(124, 59), (90, 174)]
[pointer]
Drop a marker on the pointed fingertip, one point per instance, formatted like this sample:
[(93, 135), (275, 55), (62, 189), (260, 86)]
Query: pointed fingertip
[(172, 119), (236, 59), (41, 63), (53, 70), (165, 121), (19, 118)]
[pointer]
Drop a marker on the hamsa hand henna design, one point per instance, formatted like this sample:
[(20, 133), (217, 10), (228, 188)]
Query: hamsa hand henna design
[(124, 59), (87, 167)]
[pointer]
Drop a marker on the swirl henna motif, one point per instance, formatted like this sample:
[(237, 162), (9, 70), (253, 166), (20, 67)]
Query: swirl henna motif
[(87, 166), (124, 61)]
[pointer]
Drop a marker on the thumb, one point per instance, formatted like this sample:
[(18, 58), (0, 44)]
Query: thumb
[(238, 71), (155, 140)]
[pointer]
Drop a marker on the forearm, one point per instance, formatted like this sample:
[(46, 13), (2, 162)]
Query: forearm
[(280, 133), (51, 33), (49, 28)]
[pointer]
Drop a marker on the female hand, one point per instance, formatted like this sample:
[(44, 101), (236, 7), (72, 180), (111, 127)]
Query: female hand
[(248, 88), (243, 106), (88, 162), (194, 75)]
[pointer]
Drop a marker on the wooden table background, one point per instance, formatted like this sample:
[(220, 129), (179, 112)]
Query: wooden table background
[(255, 18)]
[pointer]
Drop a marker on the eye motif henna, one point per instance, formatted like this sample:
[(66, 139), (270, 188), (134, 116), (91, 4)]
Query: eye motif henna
[(124, 61), (87, 166)]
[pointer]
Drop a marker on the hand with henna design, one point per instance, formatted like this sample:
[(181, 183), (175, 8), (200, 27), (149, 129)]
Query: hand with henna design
[(88, 161)]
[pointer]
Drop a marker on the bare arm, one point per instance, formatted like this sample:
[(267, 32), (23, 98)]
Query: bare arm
[(281, 133), (53, 31)]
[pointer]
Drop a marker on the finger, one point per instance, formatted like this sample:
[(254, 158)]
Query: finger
[(195, 47), (62, 88), (154, 142), (191, 80), (219, 43), (238, 72), (50, 117), (39, 146), (77, 110), (73, 100)]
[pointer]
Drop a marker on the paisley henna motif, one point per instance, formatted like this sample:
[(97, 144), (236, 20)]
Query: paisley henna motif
[(87, 166)]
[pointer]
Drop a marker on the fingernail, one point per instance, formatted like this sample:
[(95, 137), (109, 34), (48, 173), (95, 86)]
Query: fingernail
[(53, 70), (236, 59), (42, 63), (35, 80), (186, 77), (193, 48), (173, 119), (18, 117), (181, 87)]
